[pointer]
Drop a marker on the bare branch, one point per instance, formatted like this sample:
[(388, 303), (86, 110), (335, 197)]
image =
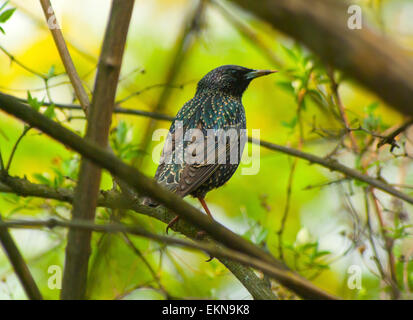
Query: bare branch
[(115, 200), (336, 166), (339, 103), (370, 58), (391, 137), (266, 267), (141, 184), (324, 162), (65, 55), (19, 265), (100, 118), (13, 151)]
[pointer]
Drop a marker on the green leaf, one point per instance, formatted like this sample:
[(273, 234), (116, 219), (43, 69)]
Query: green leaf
[(319, 254), (262, 236), (51, 72), (6, 15), (50, 111), (121, 132), (286, 85), (132, 153), (372, 107), (2, 30), (290, 53), (42, 179), (59, 178), (33, 102), (290, 124)]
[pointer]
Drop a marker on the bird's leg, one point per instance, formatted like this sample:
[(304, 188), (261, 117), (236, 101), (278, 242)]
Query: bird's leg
[(200, 233), (204, 205), (171, 223)]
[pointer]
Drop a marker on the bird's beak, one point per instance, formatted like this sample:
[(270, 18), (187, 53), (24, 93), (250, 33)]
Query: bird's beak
[(258, 73)]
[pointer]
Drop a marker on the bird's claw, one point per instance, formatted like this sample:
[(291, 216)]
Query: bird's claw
[(199, 236), (210, 258), (171, 223)]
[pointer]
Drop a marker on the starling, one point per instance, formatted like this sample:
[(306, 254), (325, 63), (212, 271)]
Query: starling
[(216, 107)]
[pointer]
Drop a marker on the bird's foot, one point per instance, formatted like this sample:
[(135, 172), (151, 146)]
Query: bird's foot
[(171, 223)]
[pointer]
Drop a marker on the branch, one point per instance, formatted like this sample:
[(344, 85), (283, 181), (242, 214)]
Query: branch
[(372, 59), (22, 65), (100, 118), (324, 162), (341, 108), (391, 137), (65, 55), (267, 268), (19, 265), (145, 186), (13, 151), (336, 166), (118, 109)]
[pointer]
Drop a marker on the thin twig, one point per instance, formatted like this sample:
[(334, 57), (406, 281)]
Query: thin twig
[(148, 187), (65, 55), (336, 166), (22, 65), (371, 239), (391, 137), (388, 244), (267, 268), (1, 162), (286, 208), (13, 151), (158, 85), (154, 274), (406, 262), (19, 265), (118, 109), (325, 162), (116, 200), (341, 108)]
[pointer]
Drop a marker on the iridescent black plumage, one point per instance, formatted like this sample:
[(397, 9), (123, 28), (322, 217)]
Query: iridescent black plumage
[(216, 105)]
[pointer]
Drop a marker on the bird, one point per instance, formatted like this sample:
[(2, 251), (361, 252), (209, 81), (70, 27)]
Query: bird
[(216, 107)]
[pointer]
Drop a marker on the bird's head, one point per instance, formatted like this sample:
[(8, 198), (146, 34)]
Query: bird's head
[(230, 79)]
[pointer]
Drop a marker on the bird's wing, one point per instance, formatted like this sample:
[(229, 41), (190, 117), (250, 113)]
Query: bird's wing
[(194, 175), (185, 178)]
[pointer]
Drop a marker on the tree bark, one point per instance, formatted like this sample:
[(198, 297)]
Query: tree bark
[(100, 118), (374, 60)]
